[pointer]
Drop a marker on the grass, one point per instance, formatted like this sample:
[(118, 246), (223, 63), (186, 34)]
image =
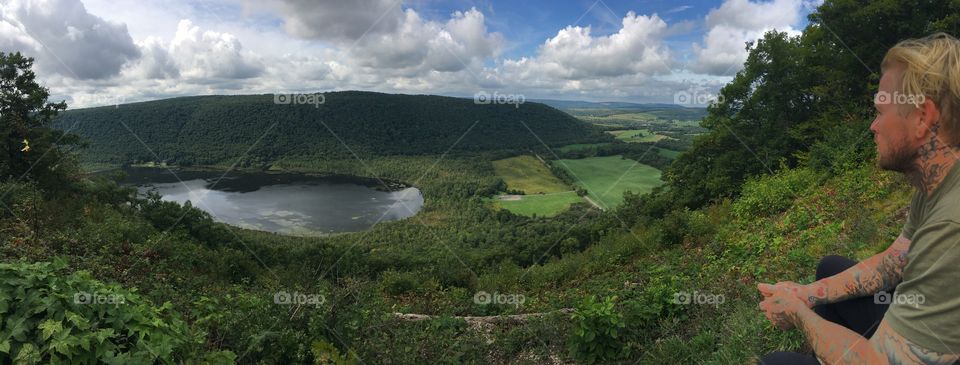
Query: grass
[(671, 154), (579, 146), (546, 205), (607, 178), (637, 135), (528, 174)]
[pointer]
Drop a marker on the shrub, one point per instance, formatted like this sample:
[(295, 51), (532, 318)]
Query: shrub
[(51, 317), (596, 334), (773, 194)]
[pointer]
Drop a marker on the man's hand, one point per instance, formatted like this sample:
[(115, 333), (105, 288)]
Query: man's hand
[(782, 304), (806, 293)]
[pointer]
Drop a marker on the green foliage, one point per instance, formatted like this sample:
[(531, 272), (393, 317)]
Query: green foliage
[(25, 120), (772, 194), (52, 317), (597, 333), (324, 353), (681, 224)]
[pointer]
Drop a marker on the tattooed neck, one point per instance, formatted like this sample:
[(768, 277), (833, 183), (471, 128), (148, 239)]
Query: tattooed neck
[(934, 160)]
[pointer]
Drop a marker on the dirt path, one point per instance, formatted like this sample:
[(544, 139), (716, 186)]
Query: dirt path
[(587, 197), (511, 319)]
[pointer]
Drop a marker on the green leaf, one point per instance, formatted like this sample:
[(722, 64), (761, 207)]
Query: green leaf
[(28, 354), (49, 327)]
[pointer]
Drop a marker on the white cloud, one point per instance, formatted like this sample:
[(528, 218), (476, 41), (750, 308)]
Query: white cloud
[(579, 64), (68, 40), (340, 20), (209, 54), (737, 22)]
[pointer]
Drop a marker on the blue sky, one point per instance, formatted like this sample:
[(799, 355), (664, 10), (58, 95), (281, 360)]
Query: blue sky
[(96, 52)]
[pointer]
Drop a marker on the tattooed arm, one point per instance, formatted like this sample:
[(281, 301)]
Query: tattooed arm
[(879, 272), (835, 344)]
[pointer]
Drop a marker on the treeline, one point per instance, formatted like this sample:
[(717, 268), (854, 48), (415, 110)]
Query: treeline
[(213, 129)]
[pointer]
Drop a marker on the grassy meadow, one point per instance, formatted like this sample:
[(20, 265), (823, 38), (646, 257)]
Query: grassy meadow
[(607, 178)]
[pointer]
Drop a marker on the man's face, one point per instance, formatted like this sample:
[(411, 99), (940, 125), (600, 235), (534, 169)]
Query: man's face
[(894, 129)]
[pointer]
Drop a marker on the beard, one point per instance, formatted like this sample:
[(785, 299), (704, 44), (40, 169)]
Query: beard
[(900, 159)]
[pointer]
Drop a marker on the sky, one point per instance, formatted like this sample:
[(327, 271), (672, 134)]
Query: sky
[(104, 52)]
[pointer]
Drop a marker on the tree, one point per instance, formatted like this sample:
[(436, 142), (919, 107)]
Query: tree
[(29, 147)]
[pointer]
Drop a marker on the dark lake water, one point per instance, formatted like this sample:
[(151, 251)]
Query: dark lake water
[(293, 204)]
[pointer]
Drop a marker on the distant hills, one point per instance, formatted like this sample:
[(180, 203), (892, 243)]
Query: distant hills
[(661, 110), (578, 104), (213, 129)]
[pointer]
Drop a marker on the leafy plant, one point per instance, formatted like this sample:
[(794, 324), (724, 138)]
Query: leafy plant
[(596, 335), (56, 318)]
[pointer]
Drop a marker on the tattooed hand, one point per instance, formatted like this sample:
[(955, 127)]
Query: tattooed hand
[(782, 304), (808, 294)]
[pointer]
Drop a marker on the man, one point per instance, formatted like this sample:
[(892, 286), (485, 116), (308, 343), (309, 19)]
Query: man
[(844, 315)]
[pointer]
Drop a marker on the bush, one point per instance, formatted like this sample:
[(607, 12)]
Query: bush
[(54, 318), (773, 194), (596, 335)]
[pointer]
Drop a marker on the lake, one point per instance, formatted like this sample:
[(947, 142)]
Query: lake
[(293, 204)]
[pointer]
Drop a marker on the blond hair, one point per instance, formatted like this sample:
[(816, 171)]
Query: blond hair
[(932, 70)]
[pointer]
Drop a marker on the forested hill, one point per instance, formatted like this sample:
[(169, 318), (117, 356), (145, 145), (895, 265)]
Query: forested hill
[(212, 129)]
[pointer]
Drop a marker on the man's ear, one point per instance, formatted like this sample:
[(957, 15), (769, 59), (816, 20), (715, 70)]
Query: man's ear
[(929, 116)]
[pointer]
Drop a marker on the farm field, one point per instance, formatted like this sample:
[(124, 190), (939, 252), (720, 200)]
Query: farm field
[(668, 153), (542, 205), (578, 146), (528, 174), (637, 135), (607, 178)]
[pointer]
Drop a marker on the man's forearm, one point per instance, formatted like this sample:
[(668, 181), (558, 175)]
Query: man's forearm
[(833, 343), (879, 272)]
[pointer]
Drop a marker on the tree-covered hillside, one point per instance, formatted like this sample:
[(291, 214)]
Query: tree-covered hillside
[(211, 129)]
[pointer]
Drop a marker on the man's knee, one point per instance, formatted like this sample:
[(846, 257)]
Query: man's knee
[(832, 265)]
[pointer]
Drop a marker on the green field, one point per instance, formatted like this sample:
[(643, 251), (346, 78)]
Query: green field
[(637, 135), (546, 205), (528, 174), (578, 146), (607, 178), (671, 154)]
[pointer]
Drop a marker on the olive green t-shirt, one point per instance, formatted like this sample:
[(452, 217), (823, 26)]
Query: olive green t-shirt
[(926, 306)]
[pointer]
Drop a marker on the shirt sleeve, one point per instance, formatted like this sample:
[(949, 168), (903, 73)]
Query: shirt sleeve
[(925, 308), (910, 227)]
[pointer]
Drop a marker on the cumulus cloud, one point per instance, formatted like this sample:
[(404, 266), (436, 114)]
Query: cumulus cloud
[(577, 62), (737, 22), (340, 20), (381, 36), (73, 42), (209, 54), (425, 46)]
